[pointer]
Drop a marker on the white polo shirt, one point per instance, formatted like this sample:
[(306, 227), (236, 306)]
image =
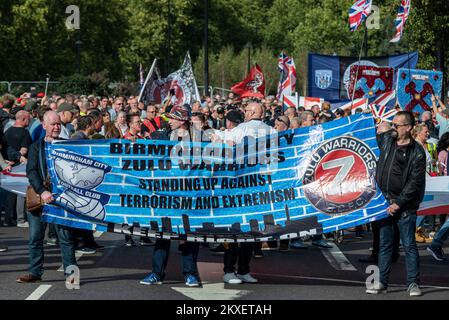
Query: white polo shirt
[(253, 128)]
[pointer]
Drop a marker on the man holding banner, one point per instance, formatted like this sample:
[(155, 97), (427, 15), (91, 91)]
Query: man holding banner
[(401, 175), (179, 118), (37, 173)]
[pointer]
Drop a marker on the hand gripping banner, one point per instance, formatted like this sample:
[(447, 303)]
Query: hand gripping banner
[(299, 183)]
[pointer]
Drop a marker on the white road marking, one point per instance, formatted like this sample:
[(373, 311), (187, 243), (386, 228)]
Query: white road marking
[(213, 291), (98, 234), (39, 292), (339, 280), (337, 259)]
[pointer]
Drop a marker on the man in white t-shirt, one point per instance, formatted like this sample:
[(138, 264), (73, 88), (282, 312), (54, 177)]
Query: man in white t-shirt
[(253, 125)]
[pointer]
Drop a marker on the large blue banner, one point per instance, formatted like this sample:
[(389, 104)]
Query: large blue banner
[(329, 76), (416, 87), (307, 181)]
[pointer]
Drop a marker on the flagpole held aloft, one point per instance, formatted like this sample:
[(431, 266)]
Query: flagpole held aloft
[(150, 74)]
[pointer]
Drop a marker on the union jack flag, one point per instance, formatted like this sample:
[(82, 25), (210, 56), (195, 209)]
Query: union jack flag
[(382, 113), (383, 100), (358, 13), (383, 107), (287, 82), (401, 18)]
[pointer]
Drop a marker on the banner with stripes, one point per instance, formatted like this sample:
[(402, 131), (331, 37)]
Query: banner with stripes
[(297, 101), (311, 180)]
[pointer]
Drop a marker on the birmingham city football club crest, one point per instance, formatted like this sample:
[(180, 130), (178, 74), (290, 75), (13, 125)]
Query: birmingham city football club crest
[(79, 176), (340, 176), (323, 78)]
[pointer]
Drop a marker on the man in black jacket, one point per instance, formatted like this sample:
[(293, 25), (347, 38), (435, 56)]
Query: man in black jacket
[(37, 173), (178, 130), (401, 175)]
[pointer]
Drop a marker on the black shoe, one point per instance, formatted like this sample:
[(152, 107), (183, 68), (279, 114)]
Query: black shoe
[(52, 242), (258, 254), (369, 259), (130, 243), (218, 250), (97, 246), (10, 223), (146, 242)]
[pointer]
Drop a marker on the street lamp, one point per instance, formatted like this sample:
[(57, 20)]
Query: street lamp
[(249, 47), (169, 35), (206, 48)]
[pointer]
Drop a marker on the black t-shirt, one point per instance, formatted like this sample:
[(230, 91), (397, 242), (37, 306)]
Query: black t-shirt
[(394, 170), (15, 139)]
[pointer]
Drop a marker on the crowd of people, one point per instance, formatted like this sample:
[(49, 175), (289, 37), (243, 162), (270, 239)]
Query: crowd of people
[(32, 119)]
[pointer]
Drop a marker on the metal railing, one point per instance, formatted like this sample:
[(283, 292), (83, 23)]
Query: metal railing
[(10, 84), (213, 90)]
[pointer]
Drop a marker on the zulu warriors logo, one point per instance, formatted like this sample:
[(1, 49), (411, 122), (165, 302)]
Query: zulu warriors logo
[(340, 176)]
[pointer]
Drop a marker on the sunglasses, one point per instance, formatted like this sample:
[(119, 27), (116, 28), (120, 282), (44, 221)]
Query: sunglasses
[(280, 120), (396, 126)]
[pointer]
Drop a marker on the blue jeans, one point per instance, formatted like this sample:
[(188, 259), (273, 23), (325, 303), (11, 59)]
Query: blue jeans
[(406, 223), (441, 236), (36, 245), (189, 252)]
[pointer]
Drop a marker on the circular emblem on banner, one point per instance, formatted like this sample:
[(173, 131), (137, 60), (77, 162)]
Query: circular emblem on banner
[(340, 176), (347, 73)]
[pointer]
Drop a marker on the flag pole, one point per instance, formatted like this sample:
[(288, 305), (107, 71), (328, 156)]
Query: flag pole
[(46, 84), (150, 74), (358, 67)]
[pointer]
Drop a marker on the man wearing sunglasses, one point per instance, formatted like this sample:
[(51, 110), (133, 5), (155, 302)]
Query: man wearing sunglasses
[(119, 105), (401, 175)]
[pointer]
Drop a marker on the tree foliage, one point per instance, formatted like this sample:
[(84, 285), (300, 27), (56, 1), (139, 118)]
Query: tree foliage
[(118, 35)]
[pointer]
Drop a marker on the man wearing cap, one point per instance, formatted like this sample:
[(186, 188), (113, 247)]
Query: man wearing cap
[(233, 119), (178, 122), (65, 112), (220, 120)]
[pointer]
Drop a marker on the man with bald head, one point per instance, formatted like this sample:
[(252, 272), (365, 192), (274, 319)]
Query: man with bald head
[(37, 173), (253, 125)]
